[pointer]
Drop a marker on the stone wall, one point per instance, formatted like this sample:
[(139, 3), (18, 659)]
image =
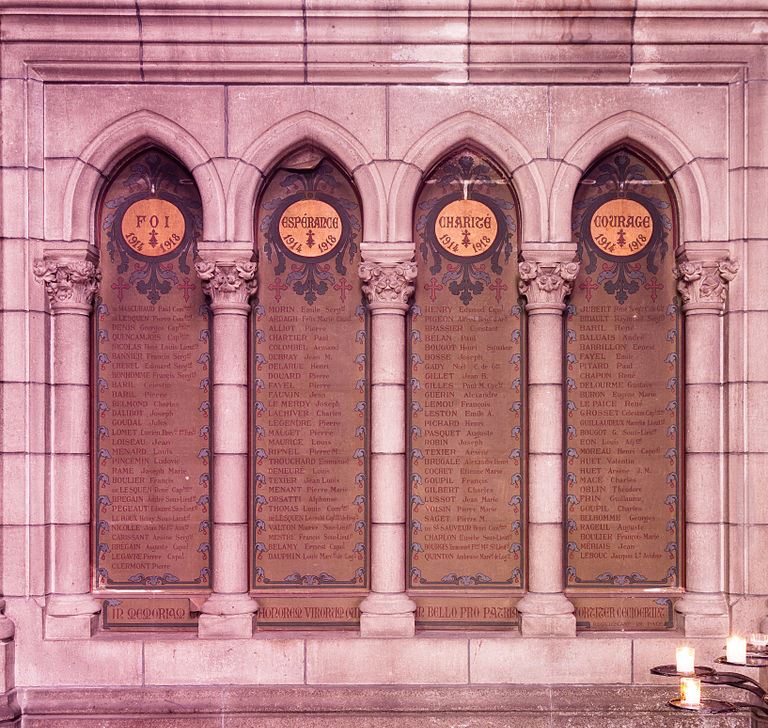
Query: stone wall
[(387, 89)]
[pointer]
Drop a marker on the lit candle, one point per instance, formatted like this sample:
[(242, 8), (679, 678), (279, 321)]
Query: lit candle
[(736, 650), (759, 640), (690, 691), (685, 657)]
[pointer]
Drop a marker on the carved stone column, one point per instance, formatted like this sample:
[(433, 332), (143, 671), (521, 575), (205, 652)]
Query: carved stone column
[(71, 280), (703, 285), (388, 611), (229, 611), (545, 610)]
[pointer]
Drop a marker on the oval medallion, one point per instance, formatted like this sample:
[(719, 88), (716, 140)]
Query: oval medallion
[(153, 227), (310, 228), (466, 228), (621, 227)]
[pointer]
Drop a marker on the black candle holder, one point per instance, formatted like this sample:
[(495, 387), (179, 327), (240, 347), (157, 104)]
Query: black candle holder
[(710, 676)]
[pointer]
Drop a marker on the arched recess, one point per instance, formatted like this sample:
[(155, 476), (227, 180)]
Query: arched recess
[(624, 397), (466, 413), (631, 127), (118, 141), (310, 353), (305, 128), (151, 382), (473, 130)]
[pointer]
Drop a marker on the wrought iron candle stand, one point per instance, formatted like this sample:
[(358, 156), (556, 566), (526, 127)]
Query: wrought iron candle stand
[(756, 657)]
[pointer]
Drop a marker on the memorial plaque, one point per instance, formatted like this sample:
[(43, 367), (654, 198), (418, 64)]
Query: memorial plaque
[(310, 408), (151, 358), (623, 446), (630, 613), (148, 613), (466, 435), (318, 611)]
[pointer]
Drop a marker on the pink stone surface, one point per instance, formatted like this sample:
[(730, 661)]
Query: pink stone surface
[(386, 662), (388, 89)]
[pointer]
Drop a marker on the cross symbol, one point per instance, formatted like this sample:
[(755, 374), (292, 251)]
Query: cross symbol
[(588, 286), (653, 285), (498, 286), (186, 287), (433, 287), (342, 287), (277, 286), (119, 286)]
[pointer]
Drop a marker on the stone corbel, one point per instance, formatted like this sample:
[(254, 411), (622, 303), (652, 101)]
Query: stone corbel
[(388, 285), (68, 283), (704, 283), (547, 284), (230, 283)]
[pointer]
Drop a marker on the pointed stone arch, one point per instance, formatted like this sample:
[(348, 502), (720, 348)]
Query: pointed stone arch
[(113, 145), (474, 130), (655, 140), (305, 128)]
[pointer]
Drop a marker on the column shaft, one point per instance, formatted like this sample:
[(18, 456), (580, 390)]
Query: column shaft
[(71, 611), (545, 610), (387, 611), (229, 611), (703, 286)]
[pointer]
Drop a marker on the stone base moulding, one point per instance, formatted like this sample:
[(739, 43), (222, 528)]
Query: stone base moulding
[(290, 706)]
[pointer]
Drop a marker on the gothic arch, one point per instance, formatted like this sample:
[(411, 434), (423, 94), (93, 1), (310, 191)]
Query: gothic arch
[(471, 129), (661, 144), (117, 141), (289, 135)]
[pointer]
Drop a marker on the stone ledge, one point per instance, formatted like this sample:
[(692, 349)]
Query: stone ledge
[(530, 705)]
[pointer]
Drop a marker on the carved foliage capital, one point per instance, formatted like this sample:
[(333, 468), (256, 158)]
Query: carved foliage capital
[(384, 284), (68, 283), (228, 283), (705, 282), (547, 283)]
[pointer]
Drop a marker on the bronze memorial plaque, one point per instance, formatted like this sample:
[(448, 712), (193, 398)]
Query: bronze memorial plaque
[(151, 358), (623, 448), (310, 403), (466, 435)]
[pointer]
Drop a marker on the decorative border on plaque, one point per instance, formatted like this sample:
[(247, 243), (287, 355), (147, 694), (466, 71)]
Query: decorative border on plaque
[(623, 228), (315, 228), (467, 234), (162, 234), (312, 225), (156, 219), (462, 229), (618, 227)]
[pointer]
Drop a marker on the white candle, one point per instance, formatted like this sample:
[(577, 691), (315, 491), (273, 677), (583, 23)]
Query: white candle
[(736, 650), (690, 691), (758, 639), (685, 658)]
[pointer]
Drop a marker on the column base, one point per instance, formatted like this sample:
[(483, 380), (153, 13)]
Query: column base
[(222, 605), (387, 615), (225, 626), (70, 627), (546, 615), (704, 615)]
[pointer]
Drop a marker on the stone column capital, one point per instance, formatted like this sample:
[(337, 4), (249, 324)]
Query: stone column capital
[(703, 284), (70, 284), (388, 285), (229, 284), (546, 285)]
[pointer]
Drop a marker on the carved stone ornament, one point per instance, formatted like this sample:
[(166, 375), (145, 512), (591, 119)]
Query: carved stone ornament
[(547, 283), (228, 283), (68, 282), (705, 282), (384, 284)]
